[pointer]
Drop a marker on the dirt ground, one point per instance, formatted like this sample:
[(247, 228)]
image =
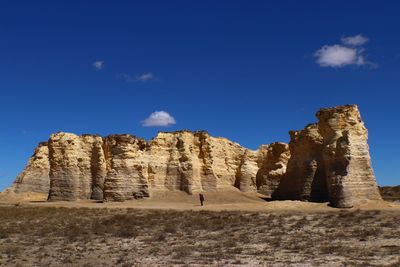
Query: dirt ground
[(174, 230)]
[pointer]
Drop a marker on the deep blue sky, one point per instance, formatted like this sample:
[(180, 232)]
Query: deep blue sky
[(245, 70)]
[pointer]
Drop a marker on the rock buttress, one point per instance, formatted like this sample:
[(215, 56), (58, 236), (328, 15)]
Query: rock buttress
[(272, 162), (127, 168), (247, 172), (305, 174), (195, 162), (77, 166), (349, 174), (35, 176)]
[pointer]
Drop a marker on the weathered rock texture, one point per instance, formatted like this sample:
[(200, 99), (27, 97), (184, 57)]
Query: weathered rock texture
[(272, 162), (305, 175), (349, 175), (77, 167), (126, 168), (330, 161), (35, 176), (123, 167), (325, 161)]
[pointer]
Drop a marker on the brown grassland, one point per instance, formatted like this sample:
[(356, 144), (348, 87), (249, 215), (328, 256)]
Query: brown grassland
[(34, 235)]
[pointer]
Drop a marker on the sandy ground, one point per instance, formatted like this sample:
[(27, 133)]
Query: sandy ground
[(215, 201)]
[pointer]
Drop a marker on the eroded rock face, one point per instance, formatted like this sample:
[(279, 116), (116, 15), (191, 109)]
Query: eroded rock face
[(272, 162), (349, 175), (305, 175), (324, 161), (126, 168), (123, 167), (77, 167), (35, 176), (330, 161), (195, 161)]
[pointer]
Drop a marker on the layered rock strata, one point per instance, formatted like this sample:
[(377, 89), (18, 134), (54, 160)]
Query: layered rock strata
[(326, 161), (305, 175), (126, 168), (77, 167), (348, 170), (272, 162), (35, 176), (123, 167), (330, 161)]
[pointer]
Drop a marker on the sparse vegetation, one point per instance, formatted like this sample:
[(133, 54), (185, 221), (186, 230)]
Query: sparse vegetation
[(390, 193), (50, 236)]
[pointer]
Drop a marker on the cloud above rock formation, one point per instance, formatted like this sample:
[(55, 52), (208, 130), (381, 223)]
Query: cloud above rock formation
[(349, 53), (159, 118)]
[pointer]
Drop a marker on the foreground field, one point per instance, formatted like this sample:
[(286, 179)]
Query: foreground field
[(35, 235)]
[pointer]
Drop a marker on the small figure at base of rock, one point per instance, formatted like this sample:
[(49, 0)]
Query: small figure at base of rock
[(201, 196)]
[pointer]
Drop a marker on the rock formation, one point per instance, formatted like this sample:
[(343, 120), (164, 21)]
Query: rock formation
[(35, 176), (326, 161), (123, 167), (126, 168), (272, 161), (305, 175), (349, 175), (77, 167), (330, 161)]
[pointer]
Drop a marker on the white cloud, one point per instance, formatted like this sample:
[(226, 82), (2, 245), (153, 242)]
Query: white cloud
[(338, 55), (98, 65), (144, 77), (355, 40), (159, 118)]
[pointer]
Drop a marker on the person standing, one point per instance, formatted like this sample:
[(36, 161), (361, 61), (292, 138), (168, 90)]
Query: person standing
[(201, 196)]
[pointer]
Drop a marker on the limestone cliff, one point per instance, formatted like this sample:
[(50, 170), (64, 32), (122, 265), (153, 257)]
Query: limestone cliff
[(123, 167), (272, 162), (325, 161), (126, 168), (305, 175), (349, 175), (77, 167), (330, 161), (35, 176)]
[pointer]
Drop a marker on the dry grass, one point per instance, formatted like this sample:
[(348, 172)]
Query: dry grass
[(49, 236), (390, 193)]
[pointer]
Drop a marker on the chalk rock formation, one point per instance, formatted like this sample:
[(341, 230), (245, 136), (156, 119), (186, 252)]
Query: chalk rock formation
[(126, 168), (272, 161), (349, 175), (123, 167), (77, 167), (325, 161), (195, 161), (305, 175), (330, 161), (35, 176), (247, 172)]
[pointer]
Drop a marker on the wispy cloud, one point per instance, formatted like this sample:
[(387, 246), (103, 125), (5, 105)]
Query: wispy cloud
[(159, 118), (349, 53), (355, 40), (145, 77), (98, 65)]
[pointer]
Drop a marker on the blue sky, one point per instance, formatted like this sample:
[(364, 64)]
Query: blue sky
[(246, 70)]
